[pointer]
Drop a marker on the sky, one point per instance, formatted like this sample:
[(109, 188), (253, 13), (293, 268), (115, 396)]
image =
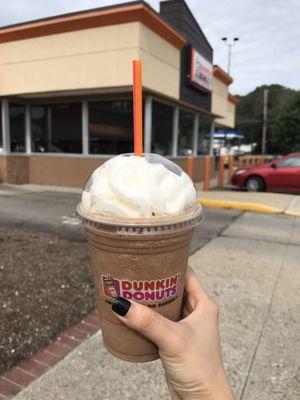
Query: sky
[(269, 30)]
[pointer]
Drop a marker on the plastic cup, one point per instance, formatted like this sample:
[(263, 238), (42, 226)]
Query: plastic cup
[(143, 260)]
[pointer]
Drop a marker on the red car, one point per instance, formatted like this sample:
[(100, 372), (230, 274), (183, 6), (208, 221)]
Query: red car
[(282, 174)]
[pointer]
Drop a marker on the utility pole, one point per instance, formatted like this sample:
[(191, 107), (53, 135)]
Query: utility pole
[(264, 126), (229, 44)]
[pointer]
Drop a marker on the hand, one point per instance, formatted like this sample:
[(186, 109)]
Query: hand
[(190, 348)]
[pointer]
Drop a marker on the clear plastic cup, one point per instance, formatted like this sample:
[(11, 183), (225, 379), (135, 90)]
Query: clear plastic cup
[(142, 259)]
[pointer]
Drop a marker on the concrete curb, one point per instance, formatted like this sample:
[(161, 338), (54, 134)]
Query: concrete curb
[(242, 206), (290, 209), (292, 213)]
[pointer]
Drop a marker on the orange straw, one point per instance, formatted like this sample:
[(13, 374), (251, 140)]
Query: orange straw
[(137, 108)]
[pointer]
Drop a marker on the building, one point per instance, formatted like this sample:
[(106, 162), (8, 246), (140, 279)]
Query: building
[(223, 103), (66, 91)]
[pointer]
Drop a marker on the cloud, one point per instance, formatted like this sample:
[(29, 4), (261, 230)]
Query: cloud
[(267, 51), (269, 33)]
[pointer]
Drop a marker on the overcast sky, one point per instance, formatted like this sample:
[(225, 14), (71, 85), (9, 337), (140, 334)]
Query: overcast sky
[(269, 31)]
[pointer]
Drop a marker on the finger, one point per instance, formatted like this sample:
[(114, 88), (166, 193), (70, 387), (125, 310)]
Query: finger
[(145, 321), (193, 286)]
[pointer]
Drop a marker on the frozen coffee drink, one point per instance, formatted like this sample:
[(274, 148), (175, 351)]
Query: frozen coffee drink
[(139, 214)]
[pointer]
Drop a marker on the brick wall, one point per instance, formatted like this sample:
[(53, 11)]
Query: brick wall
[(66, 171)]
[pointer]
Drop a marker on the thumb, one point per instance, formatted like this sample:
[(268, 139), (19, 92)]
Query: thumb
[(144, 320)]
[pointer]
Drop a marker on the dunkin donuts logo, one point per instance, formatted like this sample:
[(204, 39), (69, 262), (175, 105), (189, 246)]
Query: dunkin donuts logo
[(152, 290)]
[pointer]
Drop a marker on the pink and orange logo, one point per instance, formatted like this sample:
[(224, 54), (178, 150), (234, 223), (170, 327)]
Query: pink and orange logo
[(148, 290)]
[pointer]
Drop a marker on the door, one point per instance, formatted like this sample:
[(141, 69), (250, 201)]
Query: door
[(285, 174)]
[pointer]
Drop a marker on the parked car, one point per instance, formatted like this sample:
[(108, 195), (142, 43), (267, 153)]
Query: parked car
[(282, 174)]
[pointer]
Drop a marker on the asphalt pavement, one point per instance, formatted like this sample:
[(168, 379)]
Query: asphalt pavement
[(52, 210), (248, 262), (38, 207)]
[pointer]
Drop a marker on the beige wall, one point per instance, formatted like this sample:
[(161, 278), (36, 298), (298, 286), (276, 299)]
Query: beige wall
[(230, 119), (92, 58), (219, 97), (65, 171), (161, 63), (221, 105)]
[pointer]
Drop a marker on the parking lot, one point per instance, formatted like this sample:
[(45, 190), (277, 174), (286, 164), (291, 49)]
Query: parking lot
[(249, 263)]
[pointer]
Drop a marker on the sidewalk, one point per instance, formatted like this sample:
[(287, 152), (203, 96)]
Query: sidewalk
[(7, 189), (264, 202), (256, 286), (213, 184)]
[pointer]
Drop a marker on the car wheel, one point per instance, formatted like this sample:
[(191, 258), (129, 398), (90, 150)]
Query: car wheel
[(255, 184)]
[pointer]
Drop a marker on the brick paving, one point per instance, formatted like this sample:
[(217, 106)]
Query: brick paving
[(20, 376)]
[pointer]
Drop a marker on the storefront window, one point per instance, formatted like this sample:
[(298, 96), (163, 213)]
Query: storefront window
[(162, 128), (39, 124), (185, 133), (1, 134), (56, 128), (110, 127), (17, 127), (204, 135)]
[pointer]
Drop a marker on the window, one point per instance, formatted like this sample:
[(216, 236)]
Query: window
[(56, 128), (1, 134), (185, 133), (295, 162), (17, 127), (289, 162), (162, 128), (40, 129), (204, 134), (110, 127)]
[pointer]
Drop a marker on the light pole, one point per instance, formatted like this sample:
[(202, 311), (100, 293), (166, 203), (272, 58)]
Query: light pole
[(229, 43)]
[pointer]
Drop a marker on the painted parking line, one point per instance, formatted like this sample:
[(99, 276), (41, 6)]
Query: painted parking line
[(69, 221)]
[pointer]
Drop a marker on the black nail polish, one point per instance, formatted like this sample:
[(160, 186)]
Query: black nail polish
[(121, 306)]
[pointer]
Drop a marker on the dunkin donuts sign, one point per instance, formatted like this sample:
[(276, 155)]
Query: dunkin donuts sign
[(151, 290)]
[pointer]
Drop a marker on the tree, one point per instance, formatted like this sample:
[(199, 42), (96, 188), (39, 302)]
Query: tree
[(249, 115), (286, 132)]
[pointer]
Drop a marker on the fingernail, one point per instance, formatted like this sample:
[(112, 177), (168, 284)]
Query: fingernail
[(121, 306)]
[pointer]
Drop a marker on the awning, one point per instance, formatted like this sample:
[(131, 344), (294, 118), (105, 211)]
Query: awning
[(232, 134)]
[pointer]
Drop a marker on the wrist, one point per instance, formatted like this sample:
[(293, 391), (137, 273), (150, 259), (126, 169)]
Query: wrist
[(220, 387)]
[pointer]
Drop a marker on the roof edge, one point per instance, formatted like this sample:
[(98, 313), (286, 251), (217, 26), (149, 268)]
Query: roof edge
[(222, 75), (119, 14), (232, 99)]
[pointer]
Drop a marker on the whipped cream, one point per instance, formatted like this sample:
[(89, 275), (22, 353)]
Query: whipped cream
[(130, 186)]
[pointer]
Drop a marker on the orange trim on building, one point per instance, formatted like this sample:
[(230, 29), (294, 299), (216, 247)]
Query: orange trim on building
[(222, 75), (232, 99), (94, 19)]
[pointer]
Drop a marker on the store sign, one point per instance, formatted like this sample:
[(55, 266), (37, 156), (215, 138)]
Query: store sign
[(201, 71)]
